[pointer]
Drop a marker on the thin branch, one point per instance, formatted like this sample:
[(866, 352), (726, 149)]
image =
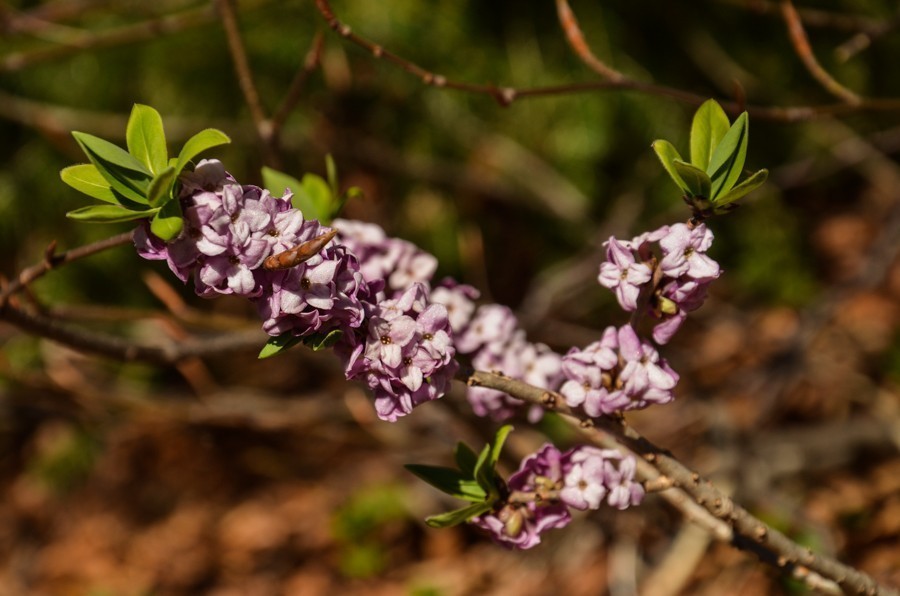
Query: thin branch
[(750, 533), (813, 17), (505, 96), (576, 39), (165, 353), (243, 70), (801, 46), (127, 34), (310, 64), (52, 260)]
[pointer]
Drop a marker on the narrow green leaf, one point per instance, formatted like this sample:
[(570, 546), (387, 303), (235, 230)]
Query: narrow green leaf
[(742, 189), (159, 191), (485, 478), (108, 214), (499, 440), (465, 459), (197, 144), (124, 173), (87, 179), (322, 341), (278, 344), (331, 174), (449, 481), (167, 224), (276, 182), (459, 516), (707, 129), (697, 181), (727, 161), (667, 155), (146, 138)]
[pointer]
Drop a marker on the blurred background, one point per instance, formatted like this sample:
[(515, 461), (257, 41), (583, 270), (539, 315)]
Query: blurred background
[(229, 475)]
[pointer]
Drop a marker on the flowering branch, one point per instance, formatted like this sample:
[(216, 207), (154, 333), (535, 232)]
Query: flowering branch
[(750, 533)]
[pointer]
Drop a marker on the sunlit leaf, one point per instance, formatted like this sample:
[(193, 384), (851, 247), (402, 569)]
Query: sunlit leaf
[(197, 144), (124, 173), (146, 138), (167, 224), (667, 155), (87, 179), (727, 161), (107, 214), (466, 459), (710, 124), (742, 189), (278, 344), (158, 192)]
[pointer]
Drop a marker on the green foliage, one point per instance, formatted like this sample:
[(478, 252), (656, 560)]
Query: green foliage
[(357, 526), (315, 197), (141, 176), (287, 340), (718, 153), (475, 481)]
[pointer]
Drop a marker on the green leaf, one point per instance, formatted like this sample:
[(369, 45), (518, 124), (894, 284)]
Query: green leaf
[(124, 173), (278, 344), (276, 182), (667, 155), (331, 174), (146, 138), (742, 189), (697, 181), (87, 179), (707, 129), (197, 144), (314, 198), (727, 161), (450, 481), (158, 193), (459, 516), (499, 440), (321, 341), (167, 224), (107, 214), (466, 459)]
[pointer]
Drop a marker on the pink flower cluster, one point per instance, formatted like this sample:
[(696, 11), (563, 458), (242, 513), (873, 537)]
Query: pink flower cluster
[(680, 275), (618, 373), (550, 482), (392, 337)]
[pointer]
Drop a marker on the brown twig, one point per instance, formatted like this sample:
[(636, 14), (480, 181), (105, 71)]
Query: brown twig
[(801, 46), (749, 532), (310, 63), (245, 79), (576, 39), (505, 96), (813, 17), (52, 260)]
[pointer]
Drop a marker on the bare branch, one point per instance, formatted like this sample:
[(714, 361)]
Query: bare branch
[(52, 260), (576, 39), (801, 46), (507, 95), (310, 64)]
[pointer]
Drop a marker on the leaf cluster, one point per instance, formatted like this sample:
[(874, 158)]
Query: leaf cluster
[(718, 152), (141, 182), (314, 196), (475, 480)]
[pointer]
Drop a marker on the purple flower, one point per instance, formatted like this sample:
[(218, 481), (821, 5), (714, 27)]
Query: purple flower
[(684, 249), (408, 354), (623, 274), (397, 263), (618, 373)]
